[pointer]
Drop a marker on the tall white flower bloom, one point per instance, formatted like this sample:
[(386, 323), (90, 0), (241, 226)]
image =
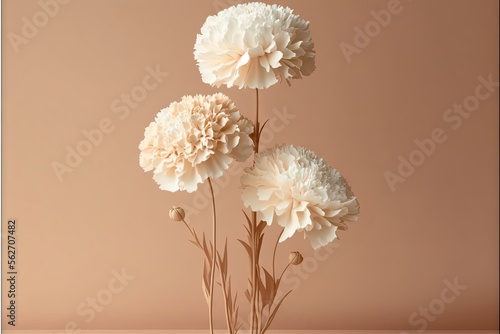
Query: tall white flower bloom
[(293, 187), (254, 45), (195, 139)]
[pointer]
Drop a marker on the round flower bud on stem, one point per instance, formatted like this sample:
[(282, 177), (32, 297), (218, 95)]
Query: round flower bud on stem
[(295, 258), (177, 213)]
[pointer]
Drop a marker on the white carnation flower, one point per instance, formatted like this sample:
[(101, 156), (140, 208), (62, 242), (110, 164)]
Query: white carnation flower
[(296, 189), (254, 45), (195, 139)]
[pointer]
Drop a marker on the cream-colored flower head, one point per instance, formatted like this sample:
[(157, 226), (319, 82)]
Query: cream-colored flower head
[(195, 139), (293, 187), (254, 45)]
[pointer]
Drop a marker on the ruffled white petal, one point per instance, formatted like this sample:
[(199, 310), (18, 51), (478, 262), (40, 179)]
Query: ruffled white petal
[(321, 237), (294, 188), (254, 45), (195, 139)]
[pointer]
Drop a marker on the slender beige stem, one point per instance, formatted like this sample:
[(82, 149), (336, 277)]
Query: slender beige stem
[(281, 276), (257, 125), (269, 320), (274, 254), (189, 228), (226, 300), (193, 234), (222, 277), (214, 258), (274, 271), (253, 312), (253, 304)]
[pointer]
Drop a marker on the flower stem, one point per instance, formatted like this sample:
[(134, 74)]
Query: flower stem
[(257, 125), (226, 300), (274, 254), (254, 274), (282, 273), (189, 229), (214, 254), (253, 306)]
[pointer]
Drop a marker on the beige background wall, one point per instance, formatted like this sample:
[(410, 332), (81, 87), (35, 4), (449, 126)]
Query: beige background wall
[(440, 224)]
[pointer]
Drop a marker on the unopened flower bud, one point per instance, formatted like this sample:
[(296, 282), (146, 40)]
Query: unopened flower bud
[(295, 258), (177, 213)]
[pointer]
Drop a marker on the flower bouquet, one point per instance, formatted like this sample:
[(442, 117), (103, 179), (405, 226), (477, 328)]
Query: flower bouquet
[(196, 139)]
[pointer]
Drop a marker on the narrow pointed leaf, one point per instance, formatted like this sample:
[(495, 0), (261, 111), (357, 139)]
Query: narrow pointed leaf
[(261, 226), (247, 248), (273, 314), (247, 294)]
